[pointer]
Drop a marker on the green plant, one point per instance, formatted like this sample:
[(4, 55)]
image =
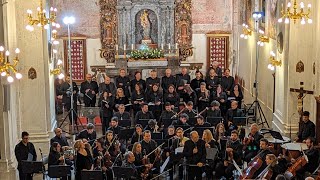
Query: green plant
[(147, 54)]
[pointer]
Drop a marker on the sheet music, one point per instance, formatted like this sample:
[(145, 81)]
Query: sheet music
[(178, 150), (30, 157)]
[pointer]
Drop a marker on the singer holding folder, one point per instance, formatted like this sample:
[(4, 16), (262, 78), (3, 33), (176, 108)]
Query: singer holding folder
[(25, 150), (89, 88)]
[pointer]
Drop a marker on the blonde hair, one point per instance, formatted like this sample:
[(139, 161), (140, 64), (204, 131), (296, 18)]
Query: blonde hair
[(77, 144), (134, 147), (273, 158), (209, 135), (117, 94)]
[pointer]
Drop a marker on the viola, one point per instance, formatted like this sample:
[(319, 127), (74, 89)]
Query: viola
[(253, 166)]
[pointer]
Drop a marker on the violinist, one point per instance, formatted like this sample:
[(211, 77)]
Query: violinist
[(106, 110), (252, 143), (214, 110), (182, 120), (122, 114), (129, 162), (190, 111), (195, 152), (203, 96), (56, 157), (114, 125), (101, 158), (210, 142), (111, 145), (83, 159), (167, 113), (137, 135), (221, 139), (262, 153), (152, 126), (137, 151), (201, 122), (233, 152), (148, 145), (88, 134), (313, 159)]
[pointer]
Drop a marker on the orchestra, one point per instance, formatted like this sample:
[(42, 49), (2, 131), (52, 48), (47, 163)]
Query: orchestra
[(171, 131)]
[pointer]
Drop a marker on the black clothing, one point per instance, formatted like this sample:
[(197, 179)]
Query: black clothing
[(155, 97), (83, 162), (121, 100), (173, 99), (133, 83), (65, 91), (21, 152), (85, 135), (150, 82), (182, 80), (54, 158), (136, 138), (191, 114), (148, 147), (138, 159), (213, 113), (203, 100), (179, 123), (124, 83), (195, 83), (220, 97), (124, 115), (205, 124), (237, 98), (231, 113), (106, 112), (306, 130), (61, 140), (115, 130), (141, 115), (262, 154), (93, 86), (166, 81), (165, 115), (311, 166), (189, 97), (139, 98), (137, 172), (110, 88), (195, 158), (253, 147), (212, 83), (227, 83)]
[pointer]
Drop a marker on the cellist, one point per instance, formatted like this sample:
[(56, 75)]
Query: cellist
[(272, 170), (262, 153), (313, 159), (252, 143)]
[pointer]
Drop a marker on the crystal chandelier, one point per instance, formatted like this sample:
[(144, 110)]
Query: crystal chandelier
[(6, 68), (294, 14), (42, 20)]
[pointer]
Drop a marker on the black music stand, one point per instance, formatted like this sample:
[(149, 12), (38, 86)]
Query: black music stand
[(125, 123), (158, 135), (58, 171), (192, 121), (167, 122), (143, 122), (214, 121), (211, 153), (276, 135), (123, 172), (30, 167), (91, 175), (240, 121), (201, 129), (126, 133)]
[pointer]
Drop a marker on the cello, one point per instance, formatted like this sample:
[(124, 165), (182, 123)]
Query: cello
[(300, 162), (253, 166)]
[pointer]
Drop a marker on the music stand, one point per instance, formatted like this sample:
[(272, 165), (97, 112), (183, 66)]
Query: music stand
[(58, 171), (276, 135), (211, 153), (125, 123), (158, 135), (167, 122), (30, 167), (123, 172), (91, 175), (214, 121), (192, 121), (143, 122), (126, 133), (240, 121)]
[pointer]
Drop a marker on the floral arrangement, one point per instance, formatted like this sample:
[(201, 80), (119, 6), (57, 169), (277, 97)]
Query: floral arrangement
[(147, 54)]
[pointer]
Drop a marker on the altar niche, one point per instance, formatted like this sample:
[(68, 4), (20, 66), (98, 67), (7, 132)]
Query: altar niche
[(146, 27)]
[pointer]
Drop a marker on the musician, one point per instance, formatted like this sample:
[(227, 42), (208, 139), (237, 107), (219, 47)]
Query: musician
[(112, 145), (25, 150), (114, 125), (236, 94), (182, 120), (217, 69), (195, 152), (65, 91), (220, 96), (89, 88), (168, 113), (154, 98), (122, 114), (56, 157), (203, 96), (121, 98), (180, 139), (171, 96), (272, 168), (88, 134), (108, 86), (262, 153), (234, 111), (188, 95), (182, 79), (137, 80), (214, 110), (313, 159), (210, 142), (137, 98), (99, 150), (84, 159), (129, 162), (212, 80), (138, 134), (252, 143), (152, 126), (220, 137), (170, 132), (233, 152), (167, 80), (62, 140), (227, 81), (148, 145), (201, 122), (189, 110), (122, 81), (196, 82), (106, 104), (144, 113), (102, 160), (307, 128), (153, 79), (137, 151)]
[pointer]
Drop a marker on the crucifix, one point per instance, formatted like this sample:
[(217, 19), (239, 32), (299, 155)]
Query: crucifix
[(300, 96)]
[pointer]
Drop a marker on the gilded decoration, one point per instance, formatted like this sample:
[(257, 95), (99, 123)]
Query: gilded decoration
[(300, 67), (183, 28), (108, 26)]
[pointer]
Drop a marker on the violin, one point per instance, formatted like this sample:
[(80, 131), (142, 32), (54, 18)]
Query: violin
[(253, 166), (145, 161)]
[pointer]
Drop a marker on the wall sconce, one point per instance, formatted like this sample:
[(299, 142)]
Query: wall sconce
[(6, 67), (262, 38), (58, 70), (273, 61), (246, 32)]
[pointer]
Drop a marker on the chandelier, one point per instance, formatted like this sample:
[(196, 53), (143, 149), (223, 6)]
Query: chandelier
[(295, 14), (273, 61), (6, 68), (246, 32), (42, 20), (262, 38)]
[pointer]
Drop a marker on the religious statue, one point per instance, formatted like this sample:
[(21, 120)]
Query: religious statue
[(145, 23)]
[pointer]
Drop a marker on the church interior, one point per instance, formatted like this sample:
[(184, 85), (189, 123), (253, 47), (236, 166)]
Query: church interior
[(157, 68)]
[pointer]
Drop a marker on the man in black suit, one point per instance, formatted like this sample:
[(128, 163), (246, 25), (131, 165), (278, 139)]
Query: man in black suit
[(123, 81), (25, 151), (144, 113), (195, 152), (114, 126), (89, 88), (182, 79), (59, 138), (122, 114), (307, 129), (88, 134), (234, 111), (167, 80), (108, 86)]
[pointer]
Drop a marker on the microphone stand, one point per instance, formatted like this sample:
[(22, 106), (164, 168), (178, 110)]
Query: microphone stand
[(43, 167)]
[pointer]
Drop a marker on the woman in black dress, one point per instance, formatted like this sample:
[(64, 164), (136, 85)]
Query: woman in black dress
[(210, 143), (203, 96), (56, 157), (236, 93), (137, 98), (220, 96), (106, 110), (154, 98), (121, 99), (172, 96), (84, 160)]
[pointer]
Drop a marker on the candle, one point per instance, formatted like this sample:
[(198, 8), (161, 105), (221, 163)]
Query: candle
[(162, 46), (124, 47), (117, 48), (132, 46), (169, 46), (176, 45)]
